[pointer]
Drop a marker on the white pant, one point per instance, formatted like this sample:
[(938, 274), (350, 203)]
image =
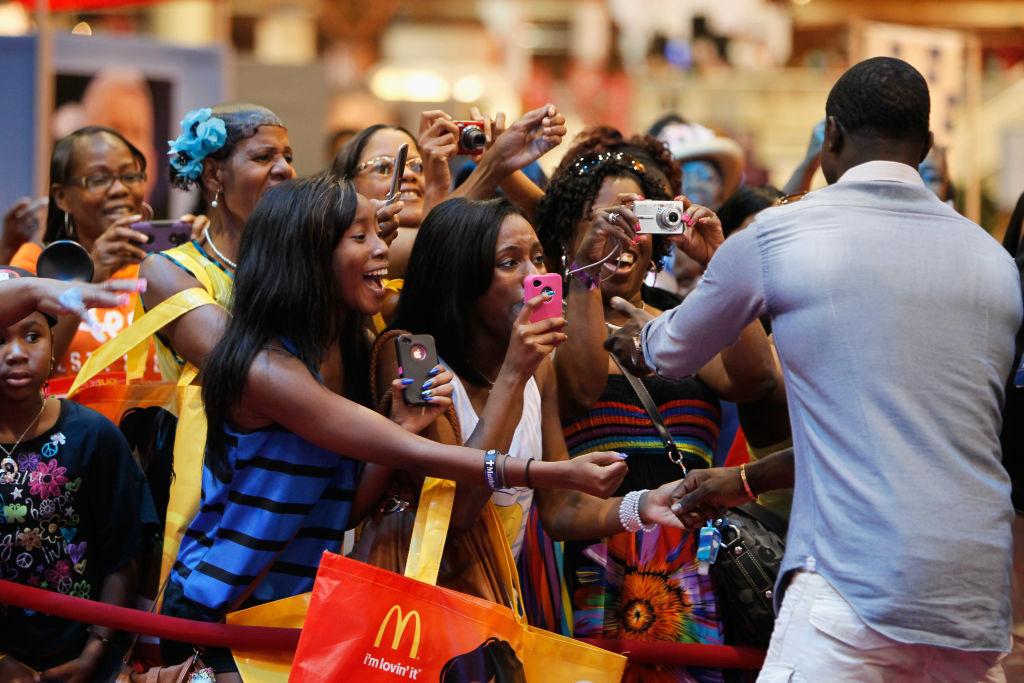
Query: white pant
[(819, 638)]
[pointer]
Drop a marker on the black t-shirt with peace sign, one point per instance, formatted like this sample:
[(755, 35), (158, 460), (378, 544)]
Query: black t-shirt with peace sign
[(75, 510)]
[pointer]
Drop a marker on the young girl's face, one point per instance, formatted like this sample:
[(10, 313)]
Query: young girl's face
[(25, 355), (361, 262)]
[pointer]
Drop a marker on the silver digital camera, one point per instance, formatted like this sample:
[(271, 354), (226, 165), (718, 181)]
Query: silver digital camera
[(660, 217)]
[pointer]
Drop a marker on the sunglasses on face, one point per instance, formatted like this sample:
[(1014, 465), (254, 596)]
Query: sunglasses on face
[(385, 165), (96, 182)]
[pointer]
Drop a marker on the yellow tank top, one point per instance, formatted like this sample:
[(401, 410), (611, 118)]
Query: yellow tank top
[(218, 283)]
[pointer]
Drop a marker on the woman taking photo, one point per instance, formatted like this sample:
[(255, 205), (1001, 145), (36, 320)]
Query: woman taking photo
[(284, 432), (97, 185), (655, 569)]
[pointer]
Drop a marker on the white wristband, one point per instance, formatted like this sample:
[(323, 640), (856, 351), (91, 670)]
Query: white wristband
[(629, 513)]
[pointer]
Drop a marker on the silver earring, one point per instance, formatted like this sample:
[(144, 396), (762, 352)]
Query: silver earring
[(214, 204), (68, 227)]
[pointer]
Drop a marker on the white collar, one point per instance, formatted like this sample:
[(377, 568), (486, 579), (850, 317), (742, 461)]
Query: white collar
[(892, 171)]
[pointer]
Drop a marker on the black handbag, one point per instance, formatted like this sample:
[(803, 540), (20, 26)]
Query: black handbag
[(748, 562)]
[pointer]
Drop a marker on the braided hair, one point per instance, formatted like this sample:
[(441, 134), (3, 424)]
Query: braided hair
[(598, 153)]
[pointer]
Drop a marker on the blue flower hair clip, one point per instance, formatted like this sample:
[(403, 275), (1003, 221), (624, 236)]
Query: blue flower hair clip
[(201, 135)]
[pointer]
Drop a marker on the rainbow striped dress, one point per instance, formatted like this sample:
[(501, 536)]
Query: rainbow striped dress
[(642, 586)]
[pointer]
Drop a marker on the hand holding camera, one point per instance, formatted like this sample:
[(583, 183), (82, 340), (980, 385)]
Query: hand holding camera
[(438, 142), (702, 235), (609, 226)]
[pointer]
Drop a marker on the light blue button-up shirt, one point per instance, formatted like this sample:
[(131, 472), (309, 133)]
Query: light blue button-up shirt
[(894, 318)]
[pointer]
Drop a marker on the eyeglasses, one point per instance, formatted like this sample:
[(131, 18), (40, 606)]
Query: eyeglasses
[(587, 162), (103, 181), (792, 198), (385, 165)]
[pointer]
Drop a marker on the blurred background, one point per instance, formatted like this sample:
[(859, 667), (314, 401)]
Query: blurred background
[(757, 71)]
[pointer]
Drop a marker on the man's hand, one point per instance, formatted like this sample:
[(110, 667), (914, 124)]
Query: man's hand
[(704, 494), (624, 343)]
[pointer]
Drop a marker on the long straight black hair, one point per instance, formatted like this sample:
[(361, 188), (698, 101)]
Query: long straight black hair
[(285, 291), (451, 266), (61, 161)]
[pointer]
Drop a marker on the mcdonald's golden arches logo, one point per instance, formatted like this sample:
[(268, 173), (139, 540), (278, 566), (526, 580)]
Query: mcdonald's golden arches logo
[(401, 622)]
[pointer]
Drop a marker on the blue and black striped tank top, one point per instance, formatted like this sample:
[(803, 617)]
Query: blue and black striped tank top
[(287, 499)]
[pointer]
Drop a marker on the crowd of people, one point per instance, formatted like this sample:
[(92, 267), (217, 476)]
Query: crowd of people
[(843, 357)]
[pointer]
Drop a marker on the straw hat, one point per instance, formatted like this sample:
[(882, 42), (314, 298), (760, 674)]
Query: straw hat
[(693, 142)]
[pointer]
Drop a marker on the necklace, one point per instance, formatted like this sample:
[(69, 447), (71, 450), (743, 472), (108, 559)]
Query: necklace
[(31, 424), (222, 257)]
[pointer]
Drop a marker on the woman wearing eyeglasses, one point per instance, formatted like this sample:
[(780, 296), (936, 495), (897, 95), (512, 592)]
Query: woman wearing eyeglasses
[(97, 186)]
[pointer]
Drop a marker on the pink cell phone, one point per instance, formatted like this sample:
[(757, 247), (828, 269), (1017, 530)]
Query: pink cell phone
[(534, 285)]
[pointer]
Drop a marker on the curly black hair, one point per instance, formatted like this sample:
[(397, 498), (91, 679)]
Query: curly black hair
[(242, 120), (884, 97), (598, 153)]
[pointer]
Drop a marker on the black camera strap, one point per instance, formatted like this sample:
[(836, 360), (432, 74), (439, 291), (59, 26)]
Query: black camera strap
[(652, 411)]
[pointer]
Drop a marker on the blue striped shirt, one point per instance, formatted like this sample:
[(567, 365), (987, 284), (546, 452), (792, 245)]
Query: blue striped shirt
[(287, 499)]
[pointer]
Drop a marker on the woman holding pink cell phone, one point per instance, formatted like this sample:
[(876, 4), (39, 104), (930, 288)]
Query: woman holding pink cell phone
[(465, 287)]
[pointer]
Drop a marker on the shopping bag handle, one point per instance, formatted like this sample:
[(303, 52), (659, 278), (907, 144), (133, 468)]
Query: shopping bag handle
[(430, 531), (139, 332)]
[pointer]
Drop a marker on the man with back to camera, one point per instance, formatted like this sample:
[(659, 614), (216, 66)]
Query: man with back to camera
[(894, 318)]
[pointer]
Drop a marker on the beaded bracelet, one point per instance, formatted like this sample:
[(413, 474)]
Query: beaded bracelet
[(629, 513)]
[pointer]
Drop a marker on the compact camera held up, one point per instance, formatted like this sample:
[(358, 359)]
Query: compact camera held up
[(472, 138), (660, 217)]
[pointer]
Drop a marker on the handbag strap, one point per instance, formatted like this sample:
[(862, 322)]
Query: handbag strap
[(652, 411)]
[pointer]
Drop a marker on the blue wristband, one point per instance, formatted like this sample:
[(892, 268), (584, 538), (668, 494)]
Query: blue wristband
[(491, 469)]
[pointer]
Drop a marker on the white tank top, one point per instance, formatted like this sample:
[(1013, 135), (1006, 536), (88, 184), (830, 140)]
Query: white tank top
[(513, 504)]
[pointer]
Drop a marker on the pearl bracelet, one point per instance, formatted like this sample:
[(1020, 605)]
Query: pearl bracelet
[(629, 513)]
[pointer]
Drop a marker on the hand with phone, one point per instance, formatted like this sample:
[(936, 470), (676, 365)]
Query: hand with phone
[(531, 342), (117, 247), (422, 391), (387, 218)]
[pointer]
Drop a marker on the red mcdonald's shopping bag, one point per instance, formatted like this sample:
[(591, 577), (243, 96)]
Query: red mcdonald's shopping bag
[(369, 624)]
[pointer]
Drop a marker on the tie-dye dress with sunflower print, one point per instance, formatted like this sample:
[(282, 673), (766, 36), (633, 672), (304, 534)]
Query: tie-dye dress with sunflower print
[(645, 586)]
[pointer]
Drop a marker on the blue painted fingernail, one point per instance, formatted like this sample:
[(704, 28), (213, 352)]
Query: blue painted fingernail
[(428, 399), (428, 383), (436, 371), (426, 394), (622, 455), (407, 381)]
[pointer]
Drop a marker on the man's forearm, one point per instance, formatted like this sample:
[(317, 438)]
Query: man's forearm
[(775, 471)]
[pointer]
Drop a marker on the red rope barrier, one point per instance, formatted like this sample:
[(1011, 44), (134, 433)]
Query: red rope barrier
[(273, 639), (684, 654), (245, 638)]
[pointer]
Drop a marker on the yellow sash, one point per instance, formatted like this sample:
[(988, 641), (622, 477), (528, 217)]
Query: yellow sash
[(190, 435)]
